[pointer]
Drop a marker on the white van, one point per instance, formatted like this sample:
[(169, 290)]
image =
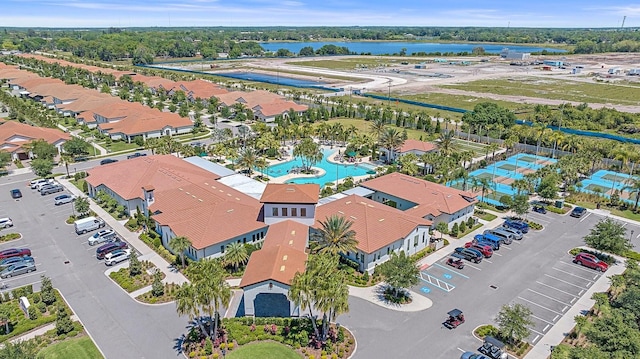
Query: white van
[(88, 224)]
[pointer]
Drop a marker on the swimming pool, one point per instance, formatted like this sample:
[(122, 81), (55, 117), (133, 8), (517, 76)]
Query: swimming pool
[(332, 170)]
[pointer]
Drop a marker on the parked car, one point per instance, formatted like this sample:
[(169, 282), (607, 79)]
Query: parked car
[(489, 239), (110, 247), (578, 212), (506, 237), (591, 261), (15, 252), (51, 189), (41, 181), (49, 182), (472, 355), (13, 260), (539, 209), (64, 198), (136, 155), (485, 249), (469, 254), (15, 193), (17, 269), (6, 222), (106, 161), (101, 236), (117, 256), (516, 233), (517, 224)]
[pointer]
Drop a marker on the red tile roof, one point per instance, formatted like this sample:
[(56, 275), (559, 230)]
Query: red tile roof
[(278, 263), (278, 108), (430, 198), (13, 135), (415, 145), (287, 233), (290, 193), (376, 225)]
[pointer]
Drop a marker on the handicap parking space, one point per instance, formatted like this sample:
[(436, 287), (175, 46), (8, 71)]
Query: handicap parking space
[(554, 292), (440, 277)]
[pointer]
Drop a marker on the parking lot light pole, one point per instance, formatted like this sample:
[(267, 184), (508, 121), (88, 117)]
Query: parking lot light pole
[(631, 236)]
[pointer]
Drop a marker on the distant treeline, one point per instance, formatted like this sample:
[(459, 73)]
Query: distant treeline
[(143, 44)]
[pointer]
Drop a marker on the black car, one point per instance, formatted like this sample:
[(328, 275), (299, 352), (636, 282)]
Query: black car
[(469, 254), (106, 161), (540, 209), (15, 193), (136, 155), (578, 212)]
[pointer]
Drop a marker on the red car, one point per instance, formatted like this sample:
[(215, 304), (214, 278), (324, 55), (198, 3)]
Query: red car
[(589, 260), (486, 250), (15, 252)]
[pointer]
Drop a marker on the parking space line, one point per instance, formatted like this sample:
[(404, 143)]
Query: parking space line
[(497, 254), (542, 320), (555, 318), (22, 285), (538, 305), (573, 300), (546, 296), (582, 291), (471, 266), (564, 309), (517, 242), (488, 261), (535, 331), (462, 350), (25, 275), (571, 274), (565, 282), (573, 265), (451, 270), (505, 247), (585, 217)]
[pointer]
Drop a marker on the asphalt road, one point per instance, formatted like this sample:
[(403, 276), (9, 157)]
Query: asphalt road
[(121, 327), (536, 271)]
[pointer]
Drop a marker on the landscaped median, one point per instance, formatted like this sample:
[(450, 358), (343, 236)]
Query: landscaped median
[(139, 279), (10, 237)]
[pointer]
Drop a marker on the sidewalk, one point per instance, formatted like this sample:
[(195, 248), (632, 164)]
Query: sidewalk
[(146, 253), (559, 331), (37, 332)]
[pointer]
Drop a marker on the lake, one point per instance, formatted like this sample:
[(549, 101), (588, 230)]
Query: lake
[(391, 47)]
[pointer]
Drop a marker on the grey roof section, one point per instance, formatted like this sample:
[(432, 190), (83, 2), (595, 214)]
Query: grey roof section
[(221, 171), (331, 198), (360, 191), (244, 184)]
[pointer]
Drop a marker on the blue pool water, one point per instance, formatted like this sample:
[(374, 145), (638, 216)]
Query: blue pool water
[(513, 167), (332, 170), (280, 80)]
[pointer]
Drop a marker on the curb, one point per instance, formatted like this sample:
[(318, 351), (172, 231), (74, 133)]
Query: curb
[(84, 326), (13, 240)]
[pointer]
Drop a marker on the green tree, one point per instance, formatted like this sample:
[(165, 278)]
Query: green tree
[(5, 159), (46, 290), (309, 152), (548, 187), (76, 146), (82, 206), (41, 149), (520, 204), (42, 167), (66, 159), (443, 228), (211, 289), (391, 139), (235, 255), (608, 236), (5, 317), (157, 288), (186, 304), (135, 267), (63, 322), (178, 246), (633, 188), (22, 349), (400, 272), (514, 320), (506, 201), (248, 159), (336, 236)]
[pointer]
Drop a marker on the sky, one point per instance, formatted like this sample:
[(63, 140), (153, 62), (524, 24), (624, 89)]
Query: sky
[(181, 13)]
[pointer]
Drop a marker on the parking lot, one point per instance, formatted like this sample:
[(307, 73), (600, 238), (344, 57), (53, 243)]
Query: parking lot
[(120, 326)]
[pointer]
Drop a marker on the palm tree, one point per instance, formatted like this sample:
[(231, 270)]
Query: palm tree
[(248, 159), (466, 157), (186, 304), (485, 184), (179, 245), (493, 147), (446, 143), (336, 236), (634, 188), (235, 254), (391, 139), (211, 290), (66, 158)]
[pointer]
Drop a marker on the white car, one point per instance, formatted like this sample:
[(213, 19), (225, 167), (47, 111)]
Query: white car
[(102, 235), (49, 182), (64, 198), (6, 222), (117, 256), (37, 182)]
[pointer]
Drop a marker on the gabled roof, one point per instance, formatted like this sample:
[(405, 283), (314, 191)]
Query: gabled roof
[(278, 108), (14, 134), (376, 225), (290, 193), (282, 254), (430, 198), (148, 121), (415, 145)]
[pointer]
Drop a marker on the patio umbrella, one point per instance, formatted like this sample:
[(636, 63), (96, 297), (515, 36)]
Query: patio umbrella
[(351, 154)]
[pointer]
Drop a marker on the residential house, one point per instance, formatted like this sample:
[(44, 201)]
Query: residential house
[(15, 135), (424, 199), (283, 201), (409, 146)]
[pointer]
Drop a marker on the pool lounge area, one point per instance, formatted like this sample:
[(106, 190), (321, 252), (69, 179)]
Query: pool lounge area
[(329, 173)]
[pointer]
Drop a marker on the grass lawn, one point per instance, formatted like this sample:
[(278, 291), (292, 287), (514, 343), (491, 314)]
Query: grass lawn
[(363, 126), (311, 74), (352, 63), (556, 89), (77, 348), (264, 350), (485, 216), (117, 146), (461, 101)]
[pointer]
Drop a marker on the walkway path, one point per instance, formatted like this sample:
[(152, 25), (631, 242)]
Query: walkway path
[(146, 253), (37, 332)]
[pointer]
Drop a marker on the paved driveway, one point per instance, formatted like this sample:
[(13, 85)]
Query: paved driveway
[(121, 327), (536, 271)]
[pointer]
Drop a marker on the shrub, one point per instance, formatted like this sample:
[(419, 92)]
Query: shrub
[(41, 307), (455, 230), (36, 298), (33, 312), (463, 226), (470, 222), (208, 346), (484, 330)]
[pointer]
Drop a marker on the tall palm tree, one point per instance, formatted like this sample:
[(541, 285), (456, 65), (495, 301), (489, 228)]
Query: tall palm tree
[(493, 147), (634, 188), (179, 245), (235, 254), (186, 304), (66, 158), (466, 157), (336, 236), (211, 290), (391, 139), (248, 159), (485, 184), (446, 143)]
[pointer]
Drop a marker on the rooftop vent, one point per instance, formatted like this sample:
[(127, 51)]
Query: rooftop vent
[(187, 192), (230, 210), (341, 212), (290, 189), (353, 217), (291, 242), (348, 202), (180, 188), (281, 268), (200, 199), (293, 233), (381, 220), (284, 257)]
